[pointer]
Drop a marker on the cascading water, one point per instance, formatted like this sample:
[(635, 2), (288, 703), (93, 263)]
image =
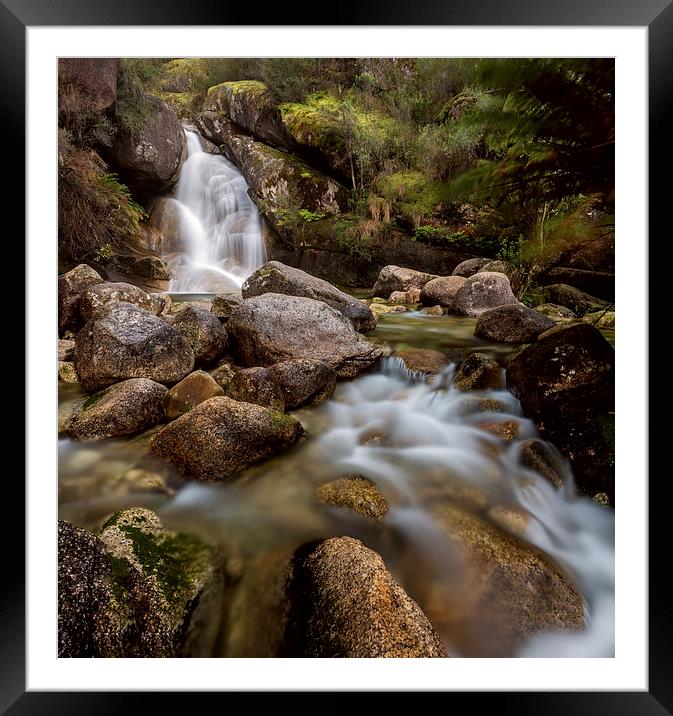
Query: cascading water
[(218, 226)]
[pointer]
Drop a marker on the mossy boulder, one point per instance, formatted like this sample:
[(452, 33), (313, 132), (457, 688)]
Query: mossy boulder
[(71, 286), (275, 277), (577, 301), (189, 392), (470, 267), (148, 158), (255, 385), (250, 105), (441, 291), (126, 342), (221, 436), (102, 294), (601, 319), (223, 374), (595, 283), (478, 372), (122, 409), (559, 314), (135, 590), (482, 291), (512, 323), (345, 603), (396, 278), (185, 74), (380, 309), (203, 331), (354, 493), (271, 328)]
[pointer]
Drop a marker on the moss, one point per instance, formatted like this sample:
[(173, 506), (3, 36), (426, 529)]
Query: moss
[(189, 69), (184, 104), (280, 420), (95, 399)]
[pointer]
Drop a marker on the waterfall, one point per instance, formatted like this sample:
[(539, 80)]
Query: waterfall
[(217, 226)]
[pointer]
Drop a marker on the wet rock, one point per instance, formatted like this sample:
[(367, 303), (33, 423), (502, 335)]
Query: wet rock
[(224, 304), (577, 301), (162, 303), (189, 392), (470, 267), (255, 385), (127, 342), (66, 350), (395, 278), (557, 313), (513, 590), (483, 291), (441, 291), (478, 372), (275, 277), (102, 294), (220, 436), (151, 267), (398, 297), (203, 331), (345, 603), (543, 459), (380, 309), (223, 375), (413, 295), (471, 406), (303, 382), (272, 328), (71, 286), (432, 311), (507, 430), (513, 323), (122, 409), (67, 372), (422, 360), (354, 493), (148, 159)]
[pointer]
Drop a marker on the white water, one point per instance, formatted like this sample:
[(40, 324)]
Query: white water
[(219, 226)]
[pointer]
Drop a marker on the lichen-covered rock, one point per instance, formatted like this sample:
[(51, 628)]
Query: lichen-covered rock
[(512, 591), (577, 301), (478, 372), (422, 360), (345, 603), (127, 342), (203, 331), (568, 368), (395, 278), (67, 372), (189, 392), (94, 298), (482, 291), (221, 436), (272, 328), (71, 286), (122, 409), (223, 375), (255, 385), (224, 303), (601, 319), (441, 291), (250, 105), (303, 381), (470, 267), (148, 159), (275, 277), (557, 313), (514, 274), (512, 323), (66, 350), (354, 493)]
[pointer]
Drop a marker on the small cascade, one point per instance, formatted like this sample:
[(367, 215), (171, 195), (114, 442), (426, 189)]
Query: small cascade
[(217, 226)]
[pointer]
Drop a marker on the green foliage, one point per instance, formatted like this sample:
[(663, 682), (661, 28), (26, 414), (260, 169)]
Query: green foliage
[(438, 235), (307, 215), (136, 77)]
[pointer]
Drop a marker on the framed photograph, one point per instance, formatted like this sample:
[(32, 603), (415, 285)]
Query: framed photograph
[(452, 463)]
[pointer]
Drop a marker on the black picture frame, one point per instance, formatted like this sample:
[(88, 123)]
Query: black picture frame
[(656, 15)]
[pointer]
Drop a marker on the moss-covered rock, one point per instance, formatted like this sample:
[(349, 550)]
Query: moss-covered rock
[(478, 372), (560, 314), (601, 319), (223, 375), (67, 372), (577, 301)]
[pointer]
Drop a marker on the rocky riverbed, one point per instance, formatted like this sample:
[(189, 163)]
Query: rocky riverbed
[(297, 471)]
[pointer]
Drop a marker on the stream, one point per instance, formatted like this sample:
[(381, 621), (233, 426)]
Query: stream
[(429, 452)]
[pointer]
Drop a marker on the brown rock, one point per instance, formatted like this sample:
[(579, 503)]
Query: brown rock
[(71, 286), (482, 291), (506, 430), (102, 294), (478, 372), (66, 350), (189, 392), (256, 385), (513, 323), (422, 360), (470, 267), (303, 382), (94, 81), (395, 278), (541, 458), (354, 493), (441, 291), (203, 331)]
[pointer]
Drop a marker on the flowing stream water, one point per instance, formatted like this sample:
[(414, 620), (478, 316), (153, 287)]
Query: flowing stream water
[(218, 226), (432, 454)]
